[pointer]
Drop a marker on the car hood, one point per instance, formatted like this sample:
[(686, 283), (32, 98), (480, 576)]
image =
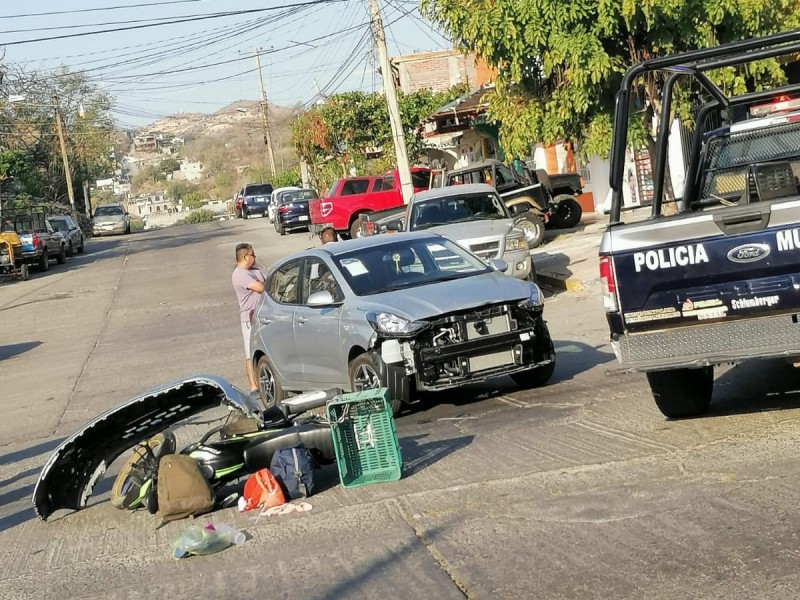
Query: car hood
[(69, 476), (430, 301), (469, 230)]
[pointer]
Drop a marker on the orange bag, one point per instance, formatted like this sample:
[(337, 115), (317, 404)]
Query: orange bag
[(261, 489)]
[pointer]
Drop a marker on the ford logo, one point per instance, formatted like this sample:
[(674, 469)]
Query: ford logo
[(748, 253)]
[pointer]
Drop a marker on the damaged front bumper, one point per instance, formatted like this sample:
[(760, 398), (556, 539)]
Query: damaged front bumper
[(470, 347), (67, 480)]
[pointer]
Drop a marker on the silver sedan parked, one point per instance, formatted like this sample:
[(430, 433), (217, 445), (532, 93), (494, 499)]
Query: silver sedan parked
[(411, 311)]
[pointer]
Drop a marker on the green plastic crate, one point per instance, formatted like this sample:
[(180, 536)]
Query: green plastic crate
[(364, 438)]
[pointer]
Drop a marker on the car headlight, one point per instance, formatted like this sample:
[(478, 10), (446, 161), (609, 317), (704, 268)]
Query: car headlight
[(535, 300), (390, 324), (516, 243)]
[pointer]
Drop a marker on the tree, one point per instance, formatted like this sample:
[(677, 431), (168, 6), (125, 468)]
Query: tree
[(193, 200), (338, 134), (559, 63), (28, 126)]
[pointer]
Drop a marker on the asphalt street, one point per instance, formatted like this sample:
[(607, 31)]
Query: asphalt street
[(580, 489)]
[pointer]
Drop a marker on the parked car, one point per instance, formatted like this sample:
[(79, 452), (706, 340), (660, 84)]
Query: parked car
[(71, 232), (408, 311), (111, 219), (255, 199), (273, 200), (40, 242), (292, 211), (476, 218), (349, 199)]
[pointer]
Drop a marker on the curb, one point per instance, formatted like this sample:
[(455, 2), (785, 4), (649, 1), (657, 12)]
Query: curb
[(559, 281)]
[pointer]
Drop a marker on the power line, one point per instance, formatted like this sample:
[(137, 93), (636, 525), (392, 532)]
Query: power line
[(172, 22), (86, 10)]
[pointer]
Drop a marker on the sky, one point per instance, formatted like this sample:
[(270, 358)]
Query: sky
[(309, 48)]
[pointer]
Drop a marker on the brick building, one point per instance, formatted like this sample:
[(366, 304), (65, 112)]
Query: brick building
[(439, 71)]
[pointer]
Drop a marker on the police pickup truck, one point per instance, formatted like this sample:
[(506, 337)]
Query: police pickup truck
[(717, 281)]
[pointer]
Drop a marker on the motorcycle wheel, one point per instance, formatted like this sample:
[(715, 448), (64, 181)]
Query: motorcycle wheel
[(533, 227), (140, 468)]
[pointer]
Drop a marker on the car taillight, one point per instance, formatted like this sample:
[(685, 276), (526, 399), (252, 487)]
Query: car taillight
[(608, 283), (283, 209), (369, 226)]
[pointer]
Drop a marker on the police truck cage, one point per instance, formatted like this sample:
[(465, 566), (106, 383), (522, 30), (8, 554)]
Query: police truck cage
[(723, 178)]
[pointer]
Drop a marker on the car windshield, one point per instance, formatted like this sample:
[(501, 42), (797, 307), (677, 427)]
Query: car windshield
[(59, 225), (407, 264), (105, 211), (456, 209), (296, 196), (264, 189)]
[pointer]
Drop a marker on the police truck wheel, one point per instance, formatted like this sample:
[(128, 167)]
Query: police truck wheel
[(568, 211), (24, 272), (682, 393), (61, 258)]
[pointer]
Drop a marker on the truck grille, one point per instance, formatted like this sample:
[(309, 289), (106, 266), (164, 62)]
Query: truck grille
[(485, 250)]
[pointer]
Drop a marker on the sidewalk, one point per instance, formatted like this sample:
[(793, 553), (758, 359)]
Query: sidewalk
[(568, 258)]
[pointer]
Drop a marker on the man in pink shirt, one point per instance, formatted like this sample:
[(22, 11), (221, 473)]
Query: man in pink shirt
[(248, 282)]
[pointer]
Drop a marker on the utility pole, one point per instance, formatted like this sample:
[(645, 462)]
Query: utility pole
[(395, 122), (265, 114), (65, 160)]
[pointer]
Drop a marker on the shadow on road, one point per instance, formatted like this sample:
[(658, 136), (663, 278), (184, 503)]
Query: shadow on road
[(418, 456), (12, 350), (30, 452), (573, 358), (757, 386)]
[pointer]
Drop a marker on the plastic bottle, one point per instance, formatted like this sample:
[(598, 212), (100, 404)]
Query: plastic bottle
[(200, 541), (233, 535)]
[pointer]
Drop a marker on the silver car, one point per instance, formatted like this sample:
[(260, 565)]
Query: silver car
[(410, 311)]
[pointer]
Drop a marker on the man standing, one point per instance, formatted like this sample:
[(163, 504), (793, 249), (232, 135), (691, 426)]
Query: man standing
[(248, 283)]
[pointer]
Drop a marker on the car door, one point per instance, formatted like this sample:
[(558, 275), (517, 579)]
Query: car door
[(274, 320), (316, 329)]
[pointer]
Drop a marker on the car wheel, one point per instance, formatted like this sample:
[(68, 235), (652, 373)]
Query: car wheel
[(355, 229), (244, 214), (279, 227), (269, 388), (538, 376), (44, 261), (24, 272), (80, 248), (681, 393), (532, 225), (368, 372), (70, 250), (61, 257), (568, 212)]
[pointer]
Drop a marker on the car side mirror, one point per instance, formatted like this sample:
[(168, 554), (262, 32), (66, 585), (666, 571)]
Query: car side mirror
[(321, 298), (394, 225), (498, 264), (518, 209)]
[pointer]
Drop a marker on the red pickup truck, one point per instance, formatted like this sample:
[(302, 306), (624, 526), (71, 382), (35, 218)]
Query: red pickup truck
[(354, 196)]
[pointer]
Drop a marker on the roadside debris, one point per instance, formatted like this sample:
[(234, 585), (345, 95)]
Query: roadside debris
[(210, 539)]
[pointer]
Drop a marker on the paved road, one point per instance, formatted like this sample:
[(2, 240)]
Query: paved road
[(580, 489)]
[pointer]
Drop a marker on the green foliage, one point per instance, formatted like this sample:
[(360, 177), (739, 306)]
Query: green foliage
[(193, 200), (169, 165), (137, 225), (178, 189), (197, 216), (286, 178), (18, 168), (559, 63), (28, 129)]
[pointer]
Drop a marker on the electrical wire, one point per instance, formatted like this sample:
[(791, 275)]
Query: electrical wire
[(172, 22), (103, 8)]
